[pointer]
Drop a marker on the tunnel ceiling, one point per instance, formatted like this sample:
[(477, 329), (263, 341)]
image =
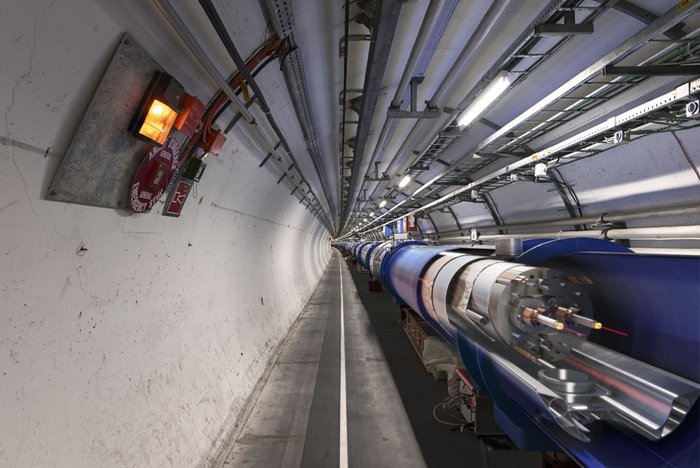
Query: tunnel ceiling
[(373, 91)]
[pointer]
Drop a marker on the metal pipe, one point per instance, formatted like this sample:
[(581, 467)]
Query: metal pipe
[(343, 207), (683, 210), (668, 19), (660, 233), (295, 79), (173, 18), (429, 20), (232, 50), (552, 7), (498, 8), (667, 232), (662, 101), (385, 22), (427, 26)]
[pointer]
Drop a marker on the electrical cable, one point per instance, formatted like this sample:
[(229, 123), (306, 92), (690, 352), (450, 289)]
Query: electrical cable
[(226, 105), (442, 421), (448, 402), (227, 41)]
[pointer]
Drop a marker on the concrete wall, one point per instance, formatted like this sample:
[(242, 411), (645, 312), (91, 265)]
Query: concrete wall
[(128, 340)]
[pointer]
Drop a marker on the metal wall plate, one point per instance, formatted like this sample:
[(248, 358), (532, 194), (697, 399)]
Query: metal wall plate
[(103, 156)]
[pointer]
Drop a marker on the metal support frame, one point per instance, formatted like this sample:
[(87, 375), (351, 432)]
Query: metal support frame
[(376, 177), (294, 77), (454, 217), (385, 23), (490, 205), (343, 42), (414, 113), (262, 163), (437, 16), (662, 23), (652, 70), (570, 27), (173, 18), (443, 137), (567, 195), (680, 94)]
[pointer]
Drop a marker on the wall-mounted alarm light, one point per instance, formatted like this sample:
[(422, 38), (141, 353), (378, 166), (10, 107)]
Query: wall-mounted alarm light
[(158, 109)]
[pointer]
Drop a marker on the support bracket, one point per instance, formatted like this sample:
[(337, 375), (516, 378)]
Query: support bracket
[(414, 113), (377, 177), (569, 28)]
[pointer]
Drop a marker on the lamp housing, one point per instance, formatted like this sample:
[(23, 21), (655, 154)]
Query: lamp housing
[(158, 109)]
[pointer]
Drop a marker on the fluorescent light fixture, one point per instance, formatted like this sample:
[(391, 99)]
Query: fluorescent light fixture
[(371, 213), (404, 182), (382, 204), (494, 89)]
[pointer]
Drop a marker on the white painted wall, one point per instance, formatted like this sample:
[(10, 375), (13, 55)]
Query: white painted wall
[(141, 350)]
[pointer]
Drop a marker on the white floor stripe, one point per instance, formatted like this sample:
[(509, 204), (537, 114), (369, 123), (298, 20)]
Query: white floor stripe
[(343, 391)]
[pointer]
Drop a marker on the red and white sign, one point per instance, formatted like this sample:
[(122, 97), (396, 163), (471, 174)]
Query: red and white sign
[(178, 198), (153, 176), (410, 223)]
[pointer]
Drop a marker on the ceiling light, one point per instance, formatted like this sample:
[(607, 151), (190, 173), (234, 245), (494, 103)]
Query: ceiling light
[(382, 204), (404, 182), (372, 213), (485, 99)]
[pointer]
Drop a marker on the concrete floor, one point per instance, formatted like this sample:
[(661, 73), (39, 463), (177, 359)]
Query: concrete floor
[(386, 402)]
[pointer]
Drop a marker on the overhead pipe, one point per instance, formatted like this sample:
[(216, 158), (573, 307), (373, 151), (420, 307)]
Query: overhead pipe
[(664, 100), (651, 233), (496, 10), (429, 21), (683, 210), (173, 18), (231, 48), (385, 22), (669, 19), (283, 24), (341, 166), (550, 8)]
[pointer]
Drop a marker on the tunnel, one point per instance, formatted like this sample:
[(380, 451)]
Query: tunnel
[(349, 233)]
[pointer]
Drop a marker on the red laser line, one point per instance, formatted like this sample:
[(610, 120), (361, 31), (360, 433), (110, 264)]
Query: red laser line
[(615, 331), (574, 331)]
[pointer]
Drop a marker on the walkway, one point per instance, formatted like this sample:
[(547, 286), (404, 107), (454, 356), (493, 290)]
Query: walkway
[(365, 404)]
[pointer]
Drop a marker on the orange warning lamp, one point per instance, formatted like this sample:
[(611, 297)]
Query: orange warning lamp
[(158, 109), (158, 122)]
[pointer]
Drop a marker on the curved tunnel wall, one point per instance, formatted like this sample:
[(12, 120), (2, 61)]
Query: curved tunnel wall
[(129, 340)]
